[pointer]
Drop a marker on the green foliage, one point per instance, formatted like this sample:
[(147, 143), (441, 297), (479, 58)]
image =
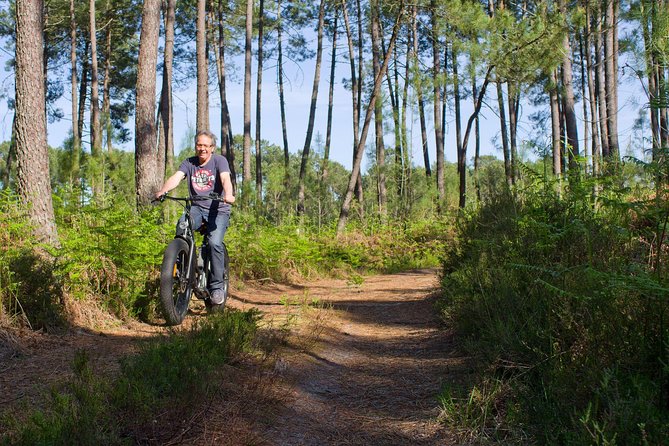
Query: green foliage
[(112, 253), (29, 287), (169, 376), (558, 300), (263, 250)]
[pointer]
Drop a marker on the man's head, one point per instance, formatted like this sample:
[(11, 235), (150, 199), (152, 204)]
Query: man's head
[(205, 144)]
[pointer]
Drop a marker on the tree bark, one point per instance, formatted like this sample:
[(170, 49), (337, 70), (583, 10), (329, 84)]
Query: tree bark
[(592, 95), (328, 131), (145, 110), (462, 152), (419, 94), (202, 119), (438, 130), (166, 135), (505, 136), (76, 141), (106, 85), (282, 101), (378, 114), (246, 159), (568, 97), (227, 148), (261, 16), (600, 83), (312, 111), (32, 174), (611, 75), (96, 131), (555, 125)]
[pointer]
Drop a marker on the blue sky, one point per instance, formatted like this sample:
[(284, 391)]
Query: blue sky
[(298, 94)]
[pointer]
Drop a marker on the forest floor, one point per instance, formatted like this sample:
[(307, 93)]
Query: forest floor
[(357, 362)]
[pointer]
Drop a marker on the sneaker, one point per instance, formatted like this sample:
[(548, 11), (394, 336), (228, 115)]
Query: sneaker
[(218, 297)]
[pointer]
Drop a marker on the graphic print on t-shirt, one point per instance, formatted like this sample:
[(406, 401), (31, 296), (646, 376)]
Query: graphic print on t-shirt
[(203, 180)]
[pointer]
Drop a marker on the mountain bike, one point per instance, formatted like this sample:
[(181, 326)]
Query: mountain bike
[(185, 269)]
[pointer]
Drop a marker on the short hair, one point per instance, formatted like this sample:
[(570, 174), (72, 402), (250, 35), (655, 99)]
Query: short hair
[(208, 134)]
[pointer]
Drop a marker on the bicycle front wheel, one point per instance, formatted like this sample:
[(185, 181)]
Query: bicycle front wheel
[(175, 287)]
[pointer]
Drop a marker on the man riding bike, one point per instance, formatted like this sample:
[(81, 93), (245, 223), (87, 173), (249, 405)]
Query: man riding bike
[(208, 172)]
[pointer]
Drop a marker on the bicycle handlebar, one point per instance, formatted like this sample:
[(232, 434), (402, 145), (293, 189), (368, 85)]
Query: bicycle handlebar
[(212, 196)]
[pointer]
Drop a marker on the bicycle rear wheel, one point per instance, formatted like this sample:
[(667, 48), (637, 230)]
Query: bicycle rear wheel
[(175, 288)]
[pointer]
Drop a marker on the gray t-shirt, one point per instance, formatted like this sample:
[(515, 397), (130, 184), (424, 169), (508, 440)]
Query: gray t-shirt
[(202, 180)]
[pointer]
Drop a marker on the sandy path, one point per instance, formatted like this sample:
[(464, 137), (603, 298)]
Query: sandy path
[(372, 375), (363, 365)]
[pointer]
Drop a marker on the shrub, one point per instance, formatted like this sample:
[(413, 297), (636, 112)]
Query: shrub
[(557, 302)]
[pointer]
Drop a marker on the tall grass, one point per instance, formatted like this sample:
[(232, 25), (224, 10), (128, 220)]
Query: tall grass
[(561, 304)]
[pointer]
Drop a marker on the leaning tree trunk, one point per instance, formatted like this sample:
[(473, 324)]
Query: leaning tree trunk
[(312, 111), (355, 170), (145, 110), (356, 85), (34, 185), (505, 135), (378, 114)]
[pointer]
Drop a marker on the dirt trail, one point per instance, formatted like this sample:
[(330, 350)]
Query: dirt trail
[(372, 375), (363, 365)]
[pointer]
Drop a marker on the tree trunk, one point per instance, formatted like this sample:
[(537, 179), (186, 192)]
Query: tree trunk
[(106, 85), (592, 95), (356, 92), (513, 101), (611, 75), (586, 129), (355, 171), (83, 88), (32, 174), (282, 102), (555, 125), (568, 97), (477, 136), (202, 114), (166, 135), (600, 83), (76, 141), (246, 159), (227, 149), (96, 132), (328, 131), (505, 136), (312, 111), (261, 16), (378, 114), (438, 130), (145, 110), (419, 94), (462, 152)]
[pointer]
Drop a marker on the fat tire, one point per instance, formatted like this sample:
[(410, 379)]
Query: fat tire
[(174, 294)]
